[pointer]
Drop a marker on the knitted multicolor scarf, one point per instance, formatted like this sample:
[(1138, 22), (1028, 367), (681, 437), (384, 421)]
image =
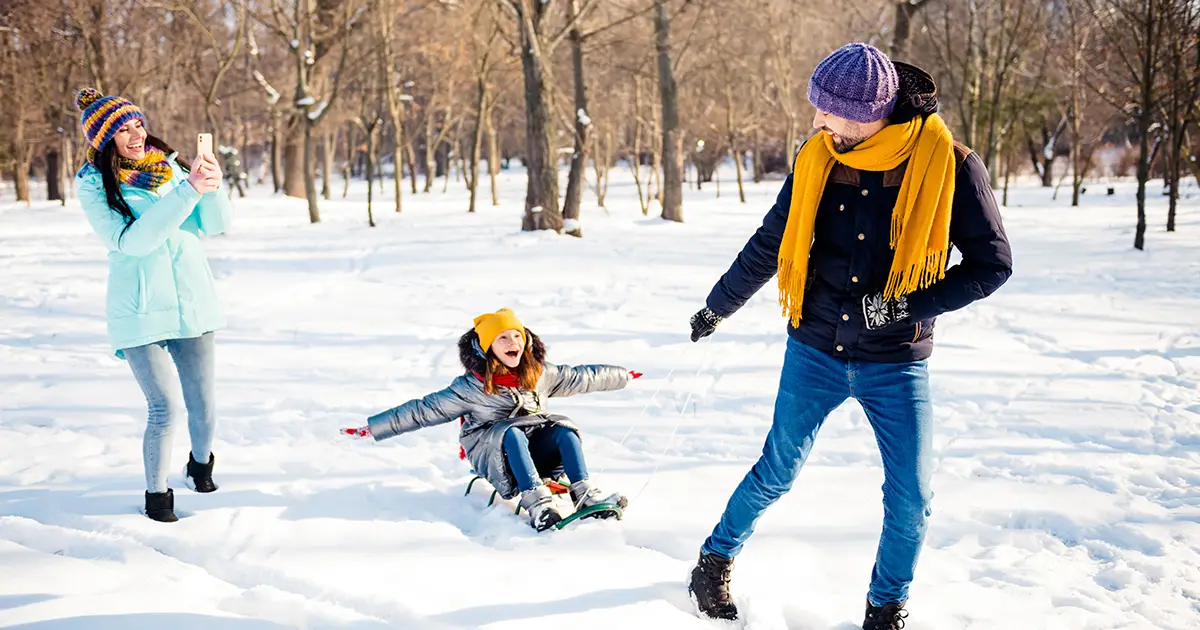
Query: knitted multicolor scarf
[(148, 173), (920, 234)]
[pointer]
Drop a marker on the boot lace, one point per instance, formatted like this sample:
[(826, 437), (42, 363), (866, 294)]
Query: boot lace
[(888, 618), (719, 572)]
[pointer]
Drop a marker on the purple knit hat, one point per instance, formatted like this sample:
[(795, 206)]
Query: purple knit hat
[(857, 82)]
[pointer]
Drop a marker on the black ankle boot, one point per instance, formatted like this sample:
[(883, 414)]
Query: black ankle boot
[(199, 476), (885, 617), (160, 506), (710, 586)]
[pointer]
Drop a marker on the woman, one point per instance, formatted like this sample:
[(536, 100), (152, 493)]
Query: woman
[(162, 305)]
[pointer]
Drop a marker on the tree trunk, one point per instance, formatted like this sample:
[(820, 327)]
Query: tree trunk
[(54, 176), (348, 162), (672, 135), (759, 167), (410, 157), (328, 150), (397, 162), (905, 9), (430, 152), (602, 164), (1145, 119), (370, 173), (21, 168), (541, 193), (493, 158), (481, 105), (583, 129), (277, 177), (733, 150), (1176, 172), (310, 177), (293, 162)]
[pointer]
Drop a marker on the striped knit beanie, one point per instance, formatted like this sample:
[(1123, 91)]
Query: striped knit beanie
[(857, 82), (103, 115)]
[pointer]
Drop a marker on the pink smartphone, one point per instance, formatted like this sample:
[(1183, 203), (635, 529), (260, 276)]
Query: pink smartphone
[(204, 144)]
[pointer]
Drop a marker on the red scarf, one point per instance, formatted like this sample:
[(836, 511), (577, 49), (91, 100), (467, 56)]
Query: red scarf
[(503, 380)]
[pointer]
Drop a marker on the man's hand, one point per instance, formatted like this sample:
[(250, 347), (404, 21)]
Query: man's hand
[(704, 322), (880, 313)]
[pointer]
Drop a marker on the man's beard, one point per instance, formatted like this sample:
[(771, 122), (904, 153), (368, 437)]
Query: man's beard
[(845, 144)]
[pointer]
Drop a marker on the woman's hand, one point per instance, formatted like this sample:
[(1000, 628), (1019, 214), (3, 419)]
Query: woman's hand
[(206, 174)]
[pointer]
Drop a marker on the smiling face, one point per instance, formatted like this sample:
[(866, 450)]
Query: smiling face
[(508, 347), (846, 134), (130, 140)]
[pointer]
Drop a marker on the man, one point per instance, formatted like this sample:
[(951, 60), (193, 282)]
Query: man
[(860, 237)]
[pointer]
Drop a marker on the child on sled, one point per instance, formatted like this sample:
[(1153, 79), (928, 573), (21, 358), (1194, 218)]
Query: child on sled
[(507, 434)]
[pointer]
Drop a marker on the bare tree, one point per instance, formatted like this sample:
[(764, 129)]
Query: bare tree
[(1133, 34), (672, 135), (538, 40), (1181, 92), (313, 30)]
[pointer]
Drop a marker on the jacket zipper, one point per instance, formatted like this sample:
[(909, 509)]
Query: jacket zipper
[(917, 334)]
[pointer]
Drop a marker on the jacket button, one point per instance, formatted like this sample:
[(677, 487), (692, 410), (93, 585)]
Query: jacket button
[(845, 317), (862, 237), (865, 192), (854, 279), (839, 348)]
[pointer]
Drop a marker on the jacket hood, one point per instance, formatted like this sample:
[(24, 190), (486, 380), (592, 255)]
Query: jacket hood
[(917, 95), (470, 353)]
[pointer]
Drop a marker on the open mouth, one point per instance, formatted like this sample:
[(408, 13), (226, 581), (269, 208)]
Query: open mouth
[(512, 354)]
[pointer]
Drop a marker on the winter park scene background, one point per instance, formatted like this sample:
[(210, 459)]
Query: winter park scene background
[(397, 167)]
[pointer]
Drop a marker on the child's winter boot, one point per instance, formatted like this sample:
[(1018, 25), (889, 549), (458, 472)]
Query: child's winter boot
[(585, 494), (539, 503)]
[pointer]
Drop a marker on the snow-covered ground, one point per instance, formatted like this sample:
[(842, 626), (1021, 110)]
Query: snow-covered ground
[(1068, 429)]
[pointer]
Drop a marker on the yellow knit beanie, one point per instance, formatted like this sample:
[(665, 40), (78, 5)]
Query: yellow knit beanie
[(489, 326)]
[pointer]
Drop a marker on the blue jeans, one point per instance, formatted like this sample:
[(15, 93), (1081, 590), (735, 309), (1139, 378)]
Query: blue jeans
[(896, 399), (545, 451), (193, 361)]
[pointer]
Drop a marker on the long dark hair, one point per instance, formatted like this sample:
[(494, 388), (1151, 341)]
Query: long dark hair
[(108, 166)]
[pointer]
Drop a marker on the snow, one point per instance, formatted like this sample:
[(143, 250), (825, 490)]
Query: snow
[(306, 101), (1068, 429), (315, 114), (584, 119)]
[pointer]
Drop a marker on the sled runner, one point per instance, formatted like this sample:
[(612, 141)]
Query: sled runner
[(557, 487)]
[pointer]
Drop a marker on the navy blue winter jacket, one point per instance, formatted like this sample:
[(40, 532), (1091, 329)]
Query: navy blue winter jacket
[(851, 258)]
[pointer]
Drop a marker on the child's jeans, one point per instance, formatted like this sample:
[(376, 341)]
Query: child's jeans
[(545, 451)]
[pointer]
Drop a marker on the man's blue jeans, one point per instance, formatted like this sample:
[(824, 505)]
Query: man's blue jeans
[(896, 399)]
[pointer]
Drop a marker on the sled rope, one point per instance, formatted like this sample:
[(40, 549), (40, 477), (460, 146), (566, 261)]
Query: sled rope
[(671, 437), (640, 417)]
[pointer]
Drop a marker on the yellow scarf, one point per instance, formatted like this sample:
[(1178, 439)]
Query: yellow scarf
[(920, 233)]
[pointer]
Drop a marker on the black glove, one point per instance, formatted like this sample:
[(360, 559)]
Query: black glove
[(880, 313), (704, 322)]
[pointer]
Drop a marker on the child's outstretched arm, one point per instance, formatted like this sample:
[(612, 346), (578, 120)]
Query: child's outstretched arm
[(569, 380), (436, 408)]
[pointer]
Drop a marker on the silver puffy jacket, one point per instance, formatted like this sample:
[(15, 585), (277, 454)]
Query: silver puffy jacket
[(488, 416)]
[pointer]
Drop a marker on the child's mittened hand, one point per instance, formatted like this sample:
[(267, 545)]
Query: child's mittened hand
[(633, 374), (360, 432)]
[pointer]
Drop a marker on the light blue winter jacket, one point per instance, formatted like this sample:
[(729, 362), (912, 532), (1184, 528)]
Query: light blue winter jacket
[(159, 283)]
